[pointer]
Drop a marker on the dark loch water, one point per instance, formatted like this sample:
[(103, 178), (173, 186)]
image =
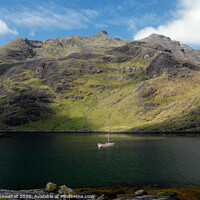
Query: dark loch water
[(31, 160)]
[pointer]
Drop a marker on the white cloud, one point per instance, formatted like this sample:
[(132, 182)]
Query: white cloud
[(101, 25), (131, 25), (4, 29), (50, 17), (32, 33), (185, 27)]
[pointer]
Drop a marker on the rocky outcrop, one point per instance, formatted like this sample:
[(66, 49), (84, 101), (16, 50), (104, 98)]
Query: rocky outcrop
[(166, 62), (23, 49), (101, 34), (141, 49), (175, 47), (162, 62), (19, 49)]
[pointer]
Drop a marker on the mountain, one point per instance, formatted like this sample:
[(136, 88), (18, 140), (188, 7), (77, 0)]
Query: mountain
[(21, 49), (175, 47), (78, 83)]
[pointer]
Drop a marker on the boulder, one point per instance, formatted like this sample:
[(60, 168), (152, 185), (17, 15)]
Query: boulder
[(51, 187), (140, 192), (63, 190), (102, 197)]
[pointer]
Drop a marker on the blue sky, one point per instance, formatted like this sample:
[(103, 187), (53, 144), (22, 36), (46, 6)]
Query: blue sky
[(128, 19)]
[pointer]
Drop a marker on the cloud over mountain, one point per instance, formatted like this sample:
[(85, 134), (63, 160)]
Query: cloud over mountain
[(184, 26)]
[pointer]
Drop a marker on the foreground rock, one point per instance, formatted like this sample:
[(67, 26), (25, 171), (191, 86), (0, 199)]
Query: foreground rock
[(52, 191), (71, 194), (51, 187), (27, 194), (42, 194), (140, 192)]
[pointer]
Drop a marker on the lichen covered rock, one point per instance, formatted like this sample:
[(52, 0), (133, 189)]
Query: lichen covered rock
[(51, 187), (64, 190)]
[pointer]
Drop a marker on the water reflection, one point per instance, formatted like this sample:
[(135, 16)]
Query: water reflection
[(105, 152)]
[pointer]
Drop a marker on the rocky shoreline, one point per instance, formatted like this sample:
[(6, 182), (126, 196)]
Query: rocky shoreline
[(43, 194), (52, 191)]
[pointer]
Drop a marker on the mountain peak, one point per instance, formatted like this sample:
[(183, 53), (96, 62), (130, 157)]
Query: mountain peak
[(158, 39), (101, 33), (174, 46), (159, 36)]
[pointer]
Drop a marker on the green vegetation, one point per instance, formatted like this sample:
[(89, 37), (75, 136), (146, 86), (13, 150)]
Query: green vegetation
[(97, 97), (82, 91)]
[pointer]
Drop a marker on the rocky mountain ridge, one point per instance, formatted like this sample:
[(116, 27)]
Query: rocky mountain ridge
[(23, 49), (175, 47), (77, 83)]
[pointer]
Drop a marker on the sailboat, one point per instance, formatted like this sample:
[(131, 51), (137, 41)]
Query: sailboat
[(106, 143)]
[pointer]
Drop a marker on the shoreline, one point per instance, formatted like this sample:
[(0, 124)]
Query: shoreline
[(184, 192), (138, 132)]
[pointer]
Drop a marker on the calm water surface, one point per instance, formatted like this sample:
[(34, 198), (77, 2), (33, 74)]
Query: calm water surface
[(32, 160)]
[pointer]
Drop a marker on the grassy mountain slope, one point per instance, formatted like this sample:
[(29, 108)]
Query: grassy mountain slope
[(136, 85)]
